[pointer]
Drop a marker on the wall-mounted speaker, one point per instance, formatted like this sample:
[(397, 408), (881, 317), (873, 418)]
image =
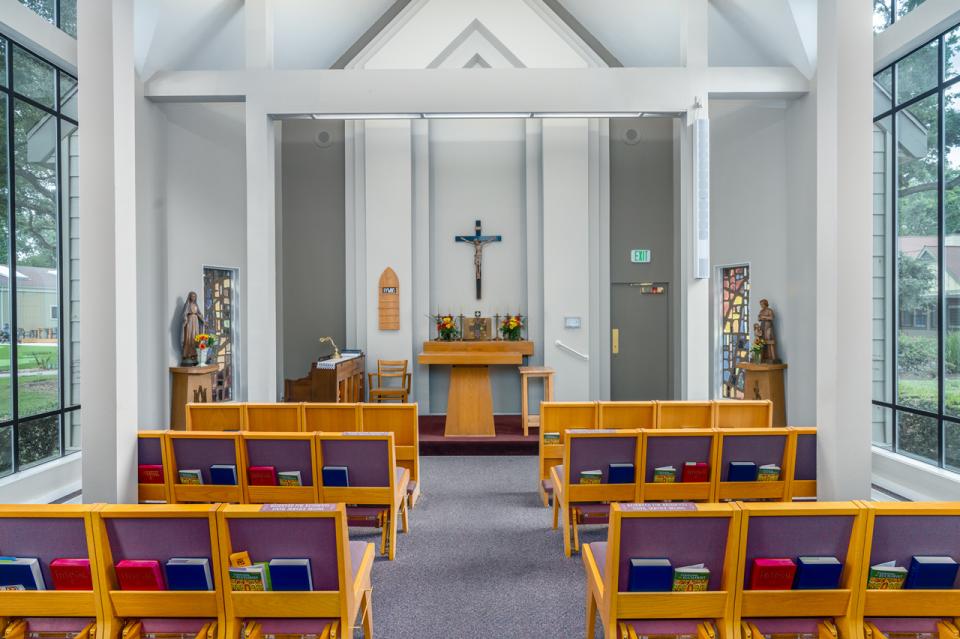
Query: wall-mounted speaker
[(631, 136), (323, 139), (701, 199)]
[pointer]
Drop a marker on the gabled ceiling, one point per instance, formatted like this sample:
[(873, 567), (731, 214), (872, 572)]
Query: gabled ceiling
[(185, 34)]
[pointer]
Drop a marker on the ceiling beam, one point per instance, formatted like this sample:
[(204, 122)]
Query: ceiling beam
[(651, 89), (913, 30)]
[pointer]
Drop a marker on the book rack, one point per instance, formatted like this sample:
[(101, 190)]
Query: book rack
[(200, 450), (761, 446), (152, 450), (157, 532), (341, 591), (285, 452), (397, 419), (674, 447), (49, 532), (557, 417), (638, 530), (804, 456)]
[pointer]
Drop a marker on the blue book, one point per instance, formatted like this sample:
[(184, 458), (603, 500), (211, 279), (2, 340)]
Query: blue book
[(336, 476), (21, 573), (741, 471), (188, 573), (620, 474), (291, 574), (650, 575), (223, 474), (817, 573), (931, 573)]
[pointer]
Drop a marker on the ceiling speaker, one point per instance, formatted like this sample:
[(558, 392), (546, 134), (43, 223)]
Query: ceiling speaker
[(323, 139), (631, 136)]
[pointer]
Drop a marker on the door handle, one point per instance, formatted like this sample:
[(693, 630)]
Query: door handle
[(615, 341)]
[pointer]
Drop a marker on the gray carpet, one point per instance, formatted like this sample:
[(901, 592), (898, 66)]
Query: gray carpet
[(481, 558)]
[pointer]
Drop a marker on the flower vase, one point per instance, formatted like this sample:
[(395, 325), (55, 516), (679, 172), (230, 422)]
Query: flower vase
[(202, 354)]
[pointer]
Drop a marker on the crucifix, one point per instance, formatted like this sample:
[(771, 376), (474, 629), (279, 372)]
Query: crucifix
[(478, 239)]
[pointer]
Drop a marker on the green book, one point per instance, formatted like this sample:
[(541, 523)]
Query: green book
[(551, 438), (255, 578), (591, 476), (664, 475), (886, 576), (768, 472), (693, 578)]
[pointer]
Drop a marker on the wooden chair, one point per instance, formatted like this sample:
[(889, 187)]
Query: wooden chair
[(199, 451), (728, 413), (675, 447), (49, 532), (556, 417), (224, 416), (152, 451), (684, 533), (272, 418), (685, 414), (817, 529), (158, 532), (402, 421), (342, 589), (388, 370), (377, 490), (284, 452), (761, 446), (576, 503)]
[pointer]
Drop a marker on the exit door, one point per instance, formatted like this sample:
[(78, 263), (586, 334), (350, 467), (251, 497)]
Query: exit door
[(640, 342)]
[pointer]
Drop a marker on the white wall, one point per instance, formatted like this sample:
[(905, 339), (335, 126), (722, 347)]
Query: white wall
[(477, 172), (755, 206)]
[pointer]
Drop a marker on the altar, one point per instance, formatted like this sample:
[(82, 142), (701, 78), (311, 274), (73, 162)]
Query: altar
[(470, 400)]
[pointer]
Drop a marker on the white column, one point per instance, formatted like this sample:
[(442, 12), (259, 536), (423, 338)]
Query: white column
[(420, 281), (844, 242), (260, 306), (108, 240), (258, 16)]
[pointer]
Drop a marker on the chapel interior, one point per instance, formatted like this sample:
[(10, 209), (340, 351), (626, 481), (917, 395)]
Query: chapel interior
[(630, 319)]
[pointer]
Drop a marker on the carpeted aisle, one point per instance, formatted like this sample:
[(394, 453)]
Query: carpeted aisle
[(481, 559)]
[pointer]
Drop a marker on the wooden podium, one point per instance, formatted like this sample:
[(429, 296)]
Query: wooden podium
[(190, 384), (765, 381), (470, 401)]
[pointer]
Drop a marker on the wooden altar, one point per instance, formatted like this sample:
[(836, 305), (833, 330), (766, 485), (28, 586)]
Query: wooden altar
[(470, 400), (329, 380)]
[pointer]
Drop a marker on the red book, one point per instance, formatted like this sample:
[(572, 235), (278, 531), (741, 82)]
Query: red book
[(772, 574), (695, 471), (150, 474), (140, 574), (71, 574), (262, 475)]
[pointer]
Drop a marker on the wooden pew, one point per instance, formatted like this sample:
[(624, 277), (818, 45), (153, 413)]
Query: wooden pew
[(200, 450), (377, 488), (152, 450), (627, 415), (222, 416), (158, 532), (826, 529), (683, 414), (556, 417), (803, 455), (591, 449), (730, 413), (284, 452), (272, 418), (340, 570), (686, 534), (674, 447), (50, 532), (403, 422), (761, 446), (897, 531), (330, 418)]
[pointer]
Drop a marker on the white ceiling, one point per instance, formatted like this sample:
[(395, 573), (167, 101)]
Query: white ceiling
[(185, 34)]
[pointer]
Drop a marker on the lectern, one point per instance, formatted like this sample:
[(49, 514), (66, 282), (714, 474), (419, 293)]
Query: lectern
[(470, 401)]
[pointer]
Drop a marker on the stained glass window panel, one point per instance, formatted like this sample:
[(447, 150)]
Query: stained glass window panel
[(219, 294), (735, 328)]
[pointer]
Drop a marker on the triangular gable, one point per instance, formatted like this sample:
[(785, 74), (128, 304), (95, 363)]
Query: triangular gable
[(471, 34)]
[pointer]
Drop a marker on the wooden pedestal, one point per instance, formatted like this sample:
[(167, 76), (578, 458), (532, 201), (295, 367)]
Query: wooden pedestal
[(188, 380), (526, 372), (765, 381)]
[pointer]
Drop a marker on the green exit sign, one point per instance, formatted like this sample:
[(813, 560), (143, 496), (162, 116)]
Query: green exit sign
[(640, 256)]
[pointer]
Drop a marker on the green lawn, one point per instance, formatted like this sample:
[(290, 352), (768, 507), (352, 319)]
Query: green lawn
[(922, 393), (38, 394), (30, 356)]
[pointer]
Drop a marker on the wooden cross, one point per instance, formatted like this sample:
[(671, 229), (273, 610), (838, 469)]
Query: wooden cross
[(478, 239)]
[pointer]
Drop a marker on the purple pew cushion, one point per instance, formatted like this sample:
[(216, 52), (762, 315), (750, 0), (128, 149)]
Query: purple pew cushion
[(646, 627), (364, 516), (399, 470), (593, 513), (905, 624), (294, 626), (172, 625), (57, 624), (599, 550), (559, 469), (786, 625), (547, 486), (357, 548), (411, 486)]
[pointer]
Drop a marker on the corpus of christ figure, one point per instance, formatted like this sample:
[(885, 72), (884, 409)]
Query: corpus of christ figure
[(478, 239)]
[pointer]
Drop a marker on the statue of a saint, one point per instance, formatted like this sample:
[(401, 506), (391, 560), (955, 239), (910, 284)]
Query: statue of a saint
[(192, 321), (769, 336)]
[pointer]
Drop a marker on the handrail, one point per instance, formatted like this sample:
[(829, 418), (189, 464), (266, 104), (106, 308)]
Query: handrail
[(571, 350)]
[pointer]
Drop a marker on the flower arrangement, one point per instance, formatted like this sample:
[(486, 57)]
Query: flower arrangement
[(446, 327), (756, 351), (511, 326), (205, 341)]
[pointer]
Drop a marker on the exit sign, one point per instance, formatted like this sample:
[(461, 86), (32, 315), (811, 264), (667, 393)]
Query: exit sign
[(640, 256)]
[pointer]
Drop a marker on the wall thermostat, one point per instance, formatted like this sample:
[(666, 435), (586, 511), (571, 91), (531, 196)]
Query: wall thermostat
[(571, 322)]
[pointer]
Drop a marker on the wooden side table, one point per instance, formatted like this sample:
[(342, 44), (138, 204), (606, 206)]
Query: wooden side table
[(526, 372), (188, 382), (765, 381)]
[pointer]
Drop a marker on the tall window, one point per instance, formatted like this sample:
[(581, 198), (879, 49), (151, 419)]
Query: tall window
[(62, 13), (219, 300), (886, 12), (916, 269), (734, 328), (39, 272)]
